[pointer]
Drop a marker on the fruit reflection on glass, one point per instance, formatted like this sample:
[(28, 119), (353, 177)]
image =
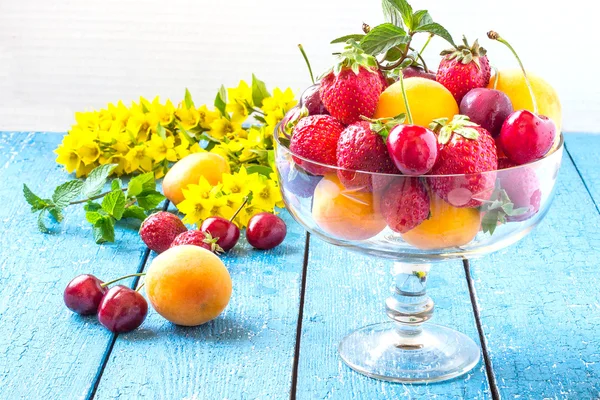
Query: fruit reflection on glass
[(450, 167)]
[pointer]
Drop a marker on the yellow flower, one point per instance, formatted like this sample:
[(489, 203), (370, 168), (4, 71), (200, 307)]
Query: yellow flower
[(233, 201), (89, 152), (207, 116), (137, 158), (199, 201), (159, 149), (120, 160), (67, 154), (222, 150), (188, 117), (182, 150), (277, 105), (83, 170), (265, 194), (138, 124), (160, 113), (87, 121), (222, 127), (244, 216), (237, 99), (239, 182)]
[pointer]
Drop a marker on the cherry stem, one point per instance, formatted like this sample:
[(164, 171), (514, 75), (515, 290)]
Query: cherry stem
[(105, 284), (423, 49), (496, 77), (307, 63), (422, 60), (140, 287), (495, 36), (402, 58), (408, 113), (239, 209)]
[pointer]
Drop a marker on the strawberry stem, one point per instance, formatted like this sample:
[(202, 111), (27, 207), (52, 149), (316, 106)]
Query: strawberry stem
[(495, 36), (105, 284), (408, 113), (239, 209), (307, 63)]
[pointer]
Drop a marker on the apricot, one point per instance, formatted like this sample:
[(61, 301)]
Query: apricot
[(345, 214), (427, 99), (189, 170), (188, 285), (447, 226)]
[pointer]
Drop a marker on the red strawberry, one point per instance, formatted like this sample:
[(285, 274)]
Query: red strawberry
[(315, 138), (198, 238), (464, 68), (352, 88), (468, 149), (160, 229), (405, 204), (361, 148)]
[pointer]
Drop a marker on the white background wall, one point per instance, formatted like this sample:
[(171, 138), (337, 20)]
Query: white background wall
[(62, 56)]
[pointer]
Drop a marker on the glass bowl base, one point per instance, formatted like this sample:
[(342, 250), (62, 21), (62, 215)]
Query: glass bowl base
[(383, 351)]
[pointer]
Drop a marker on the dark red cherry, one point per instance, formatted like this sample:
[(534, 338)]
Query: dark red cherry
[(488, 108), (226, 231), (526, 137), (122, 309), (83, 294), (411, 72), (413, 149), (265, 231), (311, 99)]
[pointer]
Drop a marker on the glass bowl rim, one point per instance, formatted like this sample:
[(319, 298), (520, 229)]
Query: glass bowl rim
[(382, 174)]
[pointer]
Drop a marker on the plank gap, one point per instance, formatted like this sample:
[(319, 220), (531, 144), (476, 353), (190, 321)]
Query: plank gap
[(300, 317), (581, 177), (489, 370)]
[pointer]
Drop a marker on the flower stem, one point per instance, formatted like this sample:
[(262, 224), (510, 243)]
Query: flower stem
[(93, 197), (105, 284), (408, 113), (239, 209), (495, 36), (307, 63)]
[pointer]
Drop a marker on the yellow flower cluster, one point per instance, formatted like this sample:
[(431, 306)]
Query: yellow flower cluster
[(151, 136)]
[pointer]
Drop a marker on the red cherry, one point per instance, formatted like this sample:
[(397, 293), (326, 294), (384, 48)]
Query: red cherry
[(413, 149), (83, 294), (265, 231), (122, 309), (526, 137), (226, 231)]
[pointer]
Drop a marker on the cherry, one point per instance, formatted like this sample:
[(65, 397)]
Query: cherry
[(311, 99), (413, 149), (83, 294), (412, 71), (226, 232), (122, 309), (488, 108), (265, 231)]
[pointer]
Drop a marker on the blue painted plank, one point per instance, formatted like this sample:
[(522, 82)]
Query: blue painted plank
[(584, 149), (346, 291), (47, 351), (246, 353), (540, 304)]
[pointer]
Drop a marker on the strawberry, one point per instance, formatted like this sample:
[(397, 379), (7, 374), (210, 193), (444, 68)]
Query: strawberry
[(405, 204), (160, 229), (353, 87), (362, 148), (466, 148), (198, 238), (315, 138), (464, 68)]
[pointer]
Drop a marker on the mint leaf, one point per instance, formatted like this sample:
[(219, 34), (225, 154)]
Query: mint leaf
[(56, 213), (104, 230), (189, 103), (149, 200), (140, 183), (92, 217), (421, 18), (438, 30), (33, 200), (382, 38), (135, 212), (63, 194), (391, 13), (40, 222), (357, 37), (401, 8), (259, 91), (96, 180), (260, 169), (92, 206), (116, 184), (221, 101), (114, 204)]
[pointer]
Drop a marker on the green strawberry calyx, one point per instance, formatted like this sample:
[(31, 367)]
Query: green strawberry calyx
[(293, 120), (354, 57), (465, 53), (212, 242), (383, 126), (460, 125)]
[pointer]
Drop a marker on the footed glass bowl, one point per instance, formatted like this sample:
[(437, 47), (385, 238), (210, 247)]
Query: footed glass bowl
[(415, 222)]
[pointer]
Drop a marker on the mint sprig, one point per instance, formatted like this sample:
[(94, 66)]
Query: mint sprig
[(497, 209)]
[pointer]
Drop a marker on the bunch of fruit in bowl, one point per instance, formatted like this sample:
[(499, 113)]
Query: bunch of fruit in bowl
[(383, 150)]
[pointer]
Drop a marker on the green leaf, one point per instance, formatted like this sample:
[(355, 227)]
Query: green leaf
[(34, 201), (65, 193), (116, 184), (259, 91), (391, 13), (421, 18), (357, 37), (92, 206), (114, 204), (382, 38), (92, 216), (393, 54), (438, 30), (403, 9), (96, 180), (221, 101), (40, 222), (160, 130), (56, 213), (189, 103), (104, 230), (260, 169), (140, 183), (149, 200), (135, 212)]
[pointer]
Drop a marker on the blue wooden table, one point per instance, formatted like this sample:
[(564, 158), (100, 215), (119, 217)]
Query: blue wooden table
[(534, 307)]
